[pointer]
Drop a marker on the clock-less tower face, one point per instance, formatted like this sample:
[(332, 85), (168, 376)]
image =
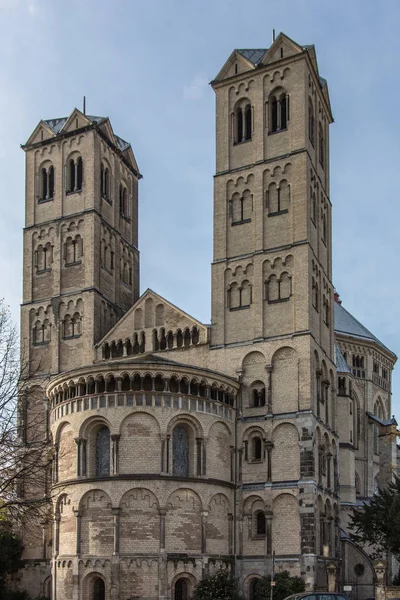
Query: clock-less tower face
[(272, 214), (81, 261)]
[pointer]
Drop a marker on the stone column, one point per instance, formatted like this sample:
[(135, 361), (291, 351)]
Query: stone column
[(115, 453), (268, 447), (116, 512), (163, 445), (380, 570), (118, 380), (331, 570), (199, 456), (55, 463), (204, 516), (57, 520), (162, 512), (269, 369), (204, 458), (78, 456), (230, 533), (268, 537), (240, 523), (167, 454), (328, 470), (83, 458), (78, 531)]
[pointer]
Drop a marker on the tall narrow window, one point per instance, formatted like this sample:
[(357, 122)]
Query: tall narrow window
[(257, 448), (248, 122), (180, 451), (51, 182), (260, 523), (43, 195), (72, 178), (103, 452), (239, 125), (79, 174), (279, 115)]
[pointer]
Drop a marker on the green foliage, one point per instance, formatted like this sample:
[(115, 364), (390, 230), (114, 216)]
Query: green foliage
[(396, 579), (220, 586), (377, 523), (285, 585), (10, 556)]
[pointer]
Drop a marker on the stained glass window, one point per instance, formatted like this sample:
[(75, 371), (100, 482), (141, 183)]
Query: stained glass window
[(180, 451), (103, 452)]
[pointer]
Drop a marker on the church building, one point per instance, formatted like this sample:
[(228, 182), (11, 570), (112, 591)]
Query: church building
[(182, 447)]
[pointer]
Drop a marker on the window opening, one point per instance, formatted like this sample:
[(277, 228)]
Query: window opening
[(180, 451), (103, 452)]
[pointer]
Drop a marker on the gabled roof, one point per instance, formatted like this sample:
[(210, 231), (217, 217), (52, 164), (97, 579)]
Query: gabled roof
[(346, 324), (341, 364), (384, 422), (253, 55), (49, 128)]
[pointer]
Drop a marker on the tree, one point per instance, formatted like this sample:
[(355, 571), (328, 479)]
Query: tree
[(220, 586), (285, 585), (377, 523), (24, 447)]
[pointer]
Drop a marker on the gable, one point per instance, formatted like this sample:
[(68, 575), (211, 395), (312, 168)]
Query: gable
[(282, 47), (76, 120), (107, 129), (41, 132), (152, 313), (237, 63)]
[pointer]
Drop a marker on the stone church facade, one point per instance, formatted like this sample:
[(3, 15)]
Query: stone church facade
[(181, 447)]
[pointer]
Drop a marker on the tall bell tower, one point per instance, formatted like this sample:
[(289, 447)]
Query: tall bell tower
[(272, 266), (81, 259)]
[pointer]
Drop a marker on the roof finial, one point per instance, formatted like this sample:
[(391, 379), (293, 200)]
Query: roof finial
[(84, 105), (273, 35)]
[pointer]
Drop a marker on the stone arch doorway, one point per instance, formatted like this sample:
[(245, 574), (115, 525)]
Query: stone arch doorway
[(99, 590), (181, 591)]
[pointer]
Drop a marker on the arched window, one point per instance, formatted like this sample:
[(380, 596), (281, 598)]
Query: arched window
[(243, 122), (258, 397), (279, 112), (181, 591), (75, 175), (278, 290), (313, 206), (256, 448), (252, 589), (315, 295), (247, 122), (99, 590), (260, 528), (278, 198), (324, 229), (105, 182), (103, 452), (180, 451), (123, 201), (46, 184), (73, 250), (357, 484), (241, 208), (43, 258), (239, 125)]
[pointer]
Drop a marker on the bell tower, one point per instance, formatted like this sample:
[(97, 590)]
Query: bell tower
[(272, 265), (81, 259)]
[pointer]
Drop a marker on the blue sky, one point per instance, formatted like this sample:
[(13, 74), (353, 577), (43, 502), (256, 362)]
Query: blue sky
[(146, 64)]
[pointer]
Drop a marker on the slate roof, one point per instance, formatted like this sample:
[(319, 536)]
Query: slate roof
[(341, 364), (254, 55), (57, 124), (346, 324), (384, 422)]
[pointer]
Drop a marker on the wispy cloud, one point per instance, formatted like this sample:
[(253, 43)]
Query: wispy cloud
[(196, 88)]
